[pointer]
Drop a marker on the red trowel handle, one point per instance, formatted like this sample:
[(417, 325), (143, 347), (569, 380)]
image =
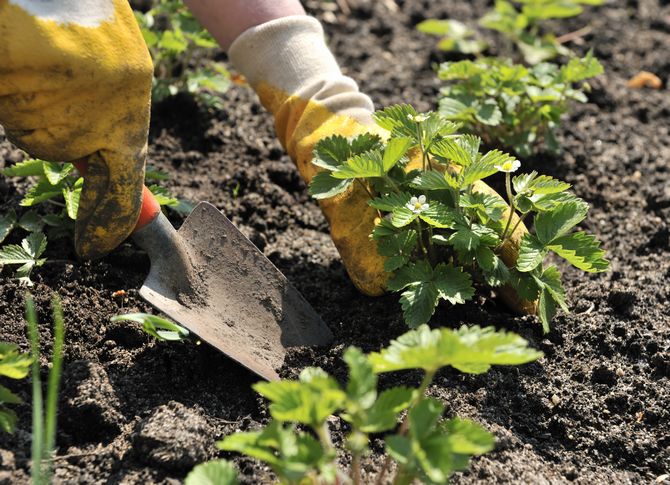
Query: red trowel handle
[(150, 206)]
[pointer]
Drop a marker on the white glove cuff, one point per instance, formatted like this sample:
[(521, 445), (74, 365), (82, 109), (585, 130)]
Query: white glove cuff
[(291, 54)]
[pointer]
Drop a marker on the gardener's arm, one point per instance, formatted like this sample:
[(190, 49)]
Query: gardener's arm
[(226, 20), (284, 56)]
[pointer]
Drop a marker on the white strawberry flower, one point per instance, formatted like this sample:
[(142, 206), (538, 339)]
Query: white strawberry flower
[(509, 166), (417, 118), (417, 204)]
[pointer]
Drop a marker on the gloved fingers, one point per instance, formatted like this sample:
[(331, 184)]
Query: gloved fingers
[(110, 202)]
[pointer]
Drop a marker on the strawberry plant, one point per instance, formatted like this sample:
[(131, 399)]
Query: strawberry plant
[(181, 51), (519, 22), (441, 229), (297, 444), (55, 190), (512, 105)]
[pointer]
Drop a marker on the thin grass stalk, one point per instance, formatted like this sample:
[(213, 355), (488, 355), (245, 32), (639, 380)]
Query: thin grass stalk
[(53, 385), (37, 450)]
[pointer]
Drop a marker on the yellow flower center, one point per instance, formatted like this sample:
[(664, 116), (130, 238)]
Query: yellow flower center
[(508, 165)]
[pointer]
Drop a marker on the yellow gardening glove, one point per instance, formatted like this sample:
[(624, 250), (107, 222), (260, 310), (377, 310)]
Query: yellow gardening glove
[(75, 83), (299, 82)]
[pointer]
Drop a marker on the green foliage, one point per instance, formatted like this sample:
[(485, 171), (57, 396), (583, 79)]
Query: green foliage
[(440, 234), (13, 365), (424, 446), (520, 22), (158, 327), (54, 186), (44, 412), (215, 472), (512, 105), (182, 53)]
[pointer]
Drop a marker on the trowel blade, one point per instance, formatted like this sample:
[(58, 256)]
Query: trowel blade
[(238, 301)]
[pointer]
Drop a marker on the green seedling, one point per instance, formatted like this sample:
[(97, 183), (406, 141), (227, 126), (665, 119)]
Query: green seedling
[(158, 327), (297, 444), (438, 227), (53, 199), (14, 365), (44, 413), (514, 106), (521, 23), (182, 53)]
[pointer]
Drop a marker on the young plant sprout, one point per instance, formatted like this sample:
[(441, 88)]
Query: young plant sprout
[(424, 446), (441, 229)]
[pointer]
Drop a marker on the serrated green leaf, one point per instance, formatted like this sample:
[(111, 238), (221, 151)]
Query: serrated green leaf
[(8, 397), (398, 248), (577, 69), (399, 448), (484, 167), (489, 113), (324, 186), (395, 150), (72, 196), (546, 309), (8, 419), (495, 271), (403, 216), (331, 152), (467, 239), (7, 223), (28, 168), (531, 253), (398, 119), (582, 251), (383, 228), (158, 327), (487, 206), (418, 303), (390, 202), (13, 364), (383, 414), (468, 438), (439, 215), (366, 165), (31, 221), (553, 224), (424, 286), (41, 192), (215, 472), (364, 142), (57, 172), (362, 383), (468, 349), (433, 180), (551, 281), (525, 286), (450, 150), (310, 400), (162, 196)]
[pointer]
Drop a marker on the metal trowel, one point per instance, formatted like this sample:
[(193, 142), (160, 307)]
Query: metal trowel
[(211, 279)]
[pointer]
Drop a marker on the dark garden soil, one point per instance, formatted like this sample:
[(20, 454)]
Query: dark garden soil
[(595, 409)]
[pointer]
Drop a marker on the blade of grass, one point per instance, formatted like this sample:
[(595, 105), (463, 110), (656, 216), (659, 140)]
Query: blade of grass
[(53, 384), (38, 425)]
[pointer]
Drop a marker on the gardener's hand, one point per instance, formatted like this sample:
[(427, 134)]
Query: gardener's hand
[(289, 65), (75, 83)]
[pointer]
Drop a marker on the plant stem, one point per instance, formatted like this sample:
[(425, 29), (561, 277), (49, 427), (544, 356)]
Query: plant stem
[(420, 394), (518, 223), (370, 194), (393, 185), (508, 187), (420, 238), (356, 468)]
